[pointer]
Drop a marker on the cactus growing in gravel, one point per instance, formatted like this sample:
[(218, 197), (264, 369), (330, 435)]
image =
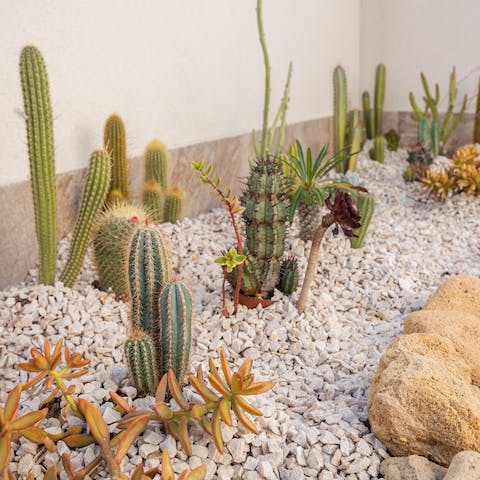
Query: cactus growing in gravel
[(378, 151), (111, 242), (393, 139), (366, 207), (148, 271), (173, 208), (141, 361), (266, 205), (94, 193), (154, 200), (172, 332), (115, 143), (156, 163), (41, 152), (373, 117), (288, 282)]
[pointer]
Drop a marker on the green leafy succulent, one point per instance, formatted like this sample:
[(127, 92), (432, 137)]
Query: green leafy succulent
[(231, 259)]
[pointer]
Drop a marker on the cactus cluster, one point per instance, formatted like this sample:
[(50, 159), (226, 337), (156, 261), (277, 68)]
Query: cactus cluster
[(41, 153), (373, 117), (94, 195), (438, 129), (346, 138), (161, 313)]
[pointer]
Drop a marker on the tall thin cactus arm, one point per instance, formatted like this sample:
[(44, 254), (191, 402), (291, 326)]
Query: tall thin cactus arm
[(476, 131), (339, 111), (41, 153), (354, 139), (94, 194), (379, 97), (368, 119)]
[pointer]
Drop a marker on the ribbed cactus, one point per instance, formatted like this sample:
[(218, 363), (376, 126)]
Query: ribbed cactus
[(153, 199), (172, 334), (379, 97), (435, 137), (423, 133), (111, 242), (354, 139), (366, 206), (266, 205), (141, 361), (368, 117), (94, 194), (156, 163), (288, 276), (476, 128), (115, 143), (41, 153), (173, 208), (148, 271), (378, 151), (339, 113)]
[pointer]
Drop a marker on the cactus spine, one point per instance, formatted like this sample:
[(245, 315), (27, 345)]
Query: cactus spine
[(476, 130), (288, 276), (172, 333), (39, 121), (156, 163), (339, 113), (266, 205), (111, 241), (94, 193), (173, 208), (153, 199), (141, 361), (115, 143), (379, 97), (148, 271), (366, 206)]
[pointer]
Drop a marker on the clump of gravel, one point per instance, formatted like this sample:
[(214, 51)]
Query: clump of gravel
[(315, 422)]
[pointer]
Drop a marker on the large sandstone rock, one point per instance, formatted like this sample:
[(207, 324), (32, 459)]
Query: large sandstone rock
[(462, 328), (422, 400), (464, 466), (411, 468)]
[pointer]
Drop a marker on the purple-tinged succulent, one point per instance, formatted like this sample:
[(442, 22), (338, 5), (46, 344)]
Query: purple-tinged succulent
[(344, 211)]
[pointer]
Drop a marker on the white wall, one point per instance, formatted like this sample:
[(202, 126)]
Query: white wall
[(184, 70), (411, 36)]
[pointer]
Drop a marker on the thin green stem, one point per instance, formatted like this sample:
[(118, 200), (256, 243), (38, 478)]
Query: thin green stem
[(68, 397)]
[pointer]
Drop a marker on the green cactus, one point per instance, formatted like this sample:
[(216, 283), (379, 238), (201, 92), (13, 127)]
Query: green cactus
[(153, 199), (366, 206), (111, 241), (173, 208), (156, 163), (435, 137), (423, 133), (250, 275), (368, 117), (115, 197), (41, 153), (379, 97), (339, 113), (288, 276), (94, 194), (141, 361), (378, 151), (115, 143), (354, 139), (148, 271), (476, 128), (266, 205), (172, 333), (393, 139)]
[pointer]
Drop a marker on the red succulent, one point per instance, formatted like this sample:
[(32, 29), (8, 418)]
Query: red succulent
[(345, 213)]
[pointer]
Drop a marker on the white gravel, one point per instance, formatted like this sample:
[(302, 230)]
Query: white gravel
[(315, 423)]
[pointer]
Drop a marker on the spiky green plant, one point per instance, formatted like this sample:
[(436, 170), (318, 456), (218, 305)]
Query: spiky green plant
[(368, 118), (393, 139), (41, 154), (141, 361), (115, 143), (288, 282), (378, 151), (94, 194), (111, 241), (115, 197), (153, 199), (366, 207), (266, 204), (172, 333), (148, 271), (373, 117), (156, 163), (354, 140), (173, 207), (449, 121)]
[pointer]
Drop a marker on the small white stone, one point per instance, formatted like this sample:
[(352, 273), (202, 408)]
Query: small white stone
[(146, 449)]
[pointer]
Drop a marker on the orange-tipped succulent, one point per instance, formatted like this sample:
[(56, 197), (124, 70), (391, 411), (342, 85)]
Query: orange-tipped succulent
[(224, 395), (46, 364)]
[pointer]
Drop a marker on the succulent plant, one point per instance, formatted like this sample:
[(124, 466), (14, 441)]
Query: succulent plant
[(41, 153), (94, 194), (173, 208), (378, 151), (393, 139), (156, 163), (153, 198), (419, 160), (373, 117), (288, 282), (141, 361), (115, 143), (366, 206), (111, 241)]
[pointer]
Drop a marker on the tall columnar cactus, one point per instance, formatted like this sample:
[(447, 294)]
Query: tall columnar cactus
[(373, 117), (148, 271), (173, 208), (354, 139), (476, 128), (41, 153), (366, 207), (156, 163), (172, 334), (94, 194), (368, 118), (153, 199), (115, 143), (111, 242), (266, 205), (141, 361), (339, 112)]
